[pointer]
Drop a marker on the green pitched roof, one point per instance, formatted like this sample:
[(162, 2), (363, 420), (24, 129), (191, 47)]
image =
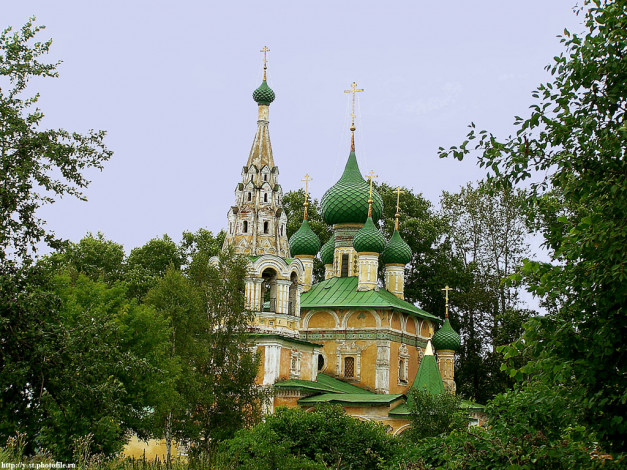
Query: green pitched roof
[(428, 376), (323, 384), (341, 292), (347, 200), (356, 398)]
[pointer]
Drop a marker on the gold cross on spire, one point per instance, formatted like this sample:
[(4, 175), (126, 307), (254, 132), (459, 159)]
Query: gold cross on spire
[(398, 206), (306, 179), (371, 176), (446, 289), (353, 91), (265, 51)]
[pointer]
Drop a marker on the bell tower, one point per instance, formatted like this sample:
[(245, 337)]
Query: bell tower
[(257, 222)]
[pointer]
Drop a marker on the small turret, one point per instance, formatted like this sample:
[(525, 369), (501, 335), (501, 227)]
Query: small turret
[(396, 255), (446, 342), (304, 244)]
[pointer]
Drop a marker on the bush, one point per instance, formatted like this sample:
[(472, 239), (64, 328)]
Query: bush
[(326, 437)]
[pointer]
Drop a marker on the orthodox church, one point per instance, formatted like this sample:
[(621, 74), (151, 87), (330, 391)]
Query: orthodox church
[(351, 339)]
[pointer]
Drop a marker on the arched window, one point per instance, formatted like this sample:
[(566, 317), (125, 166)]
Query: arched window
[(250, 196), (265, 197), (245, 226), (349, 367), (320, 362), (265, 227), (281, 230), (268, 290)]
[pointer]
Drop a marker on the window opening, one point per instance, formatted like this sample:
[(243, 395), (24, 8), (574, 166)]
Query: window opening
[(265, 197), (320, 362), (344, 270), (265, 227), (349, 367), (401, 370), (250, 196), (245, 229)]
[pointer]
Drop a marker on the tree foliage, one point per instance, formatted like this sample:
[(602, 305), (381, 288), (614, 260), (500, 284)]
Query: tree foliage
[(324, 438), (434, 414), (35, 165), (570, 151)]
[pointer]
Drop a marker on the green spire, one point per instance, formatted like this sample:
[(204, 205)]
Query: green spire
[(264, 94), (396, 251), (369, 239), (446, 338), (327, 251), (347, 200), (304, 241), (428, 377)]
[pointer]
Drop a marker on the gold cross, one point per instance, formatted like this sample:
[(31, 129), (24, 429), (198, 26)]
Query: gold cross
[(353, 91), (306, 179), (371, 175), (398, 206), (446, 289), (265, 51)]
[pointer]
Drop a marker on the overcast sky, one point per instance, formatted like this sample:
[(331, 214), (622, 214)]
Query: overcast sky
[(171, 83)]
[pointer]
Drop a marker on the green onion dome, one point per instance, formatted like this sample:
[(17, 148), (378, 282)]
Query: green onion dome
[(263, 94), (327, 251), (347, 200), (396, 251), (446, 338), (304, 241), (368, 238)]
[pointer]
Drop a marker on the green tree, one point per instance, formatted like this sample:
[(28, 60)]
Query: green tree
[(35, 165), (434, 414), (570, 151), (148, 263), (324, 438), (200, 245), (488, 234), (94, 256), (433, 264)]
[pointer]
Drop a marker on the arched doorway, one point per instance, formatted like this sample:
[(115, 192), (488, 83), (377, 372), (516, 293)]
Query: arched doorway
[(268, 290)]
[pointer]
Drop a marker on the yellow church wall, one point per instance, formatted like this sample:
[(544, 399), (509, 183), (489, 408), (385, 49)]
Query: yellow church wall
[(410, 325), (306, 366), (395, 323), (321, 320), (360, 319), (290, 402), (284, 367)]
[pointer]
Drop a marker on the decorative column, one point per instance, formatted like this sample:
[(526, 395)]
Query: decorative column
[(382, 368)]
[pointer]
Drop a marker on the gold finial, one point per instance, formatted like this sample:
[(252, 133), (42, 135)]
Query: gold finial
[(370, 175), (265, 51), (398, 206), (446, 289), (352, 128), (306, 179)]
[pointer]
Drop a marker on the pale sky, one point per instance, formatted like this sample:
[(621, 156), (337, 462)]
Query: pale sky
[(171, 83)]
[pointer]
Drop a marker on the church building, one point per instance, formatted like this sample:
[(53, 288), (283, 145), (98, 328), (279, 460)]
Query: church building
[(351, 339)]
